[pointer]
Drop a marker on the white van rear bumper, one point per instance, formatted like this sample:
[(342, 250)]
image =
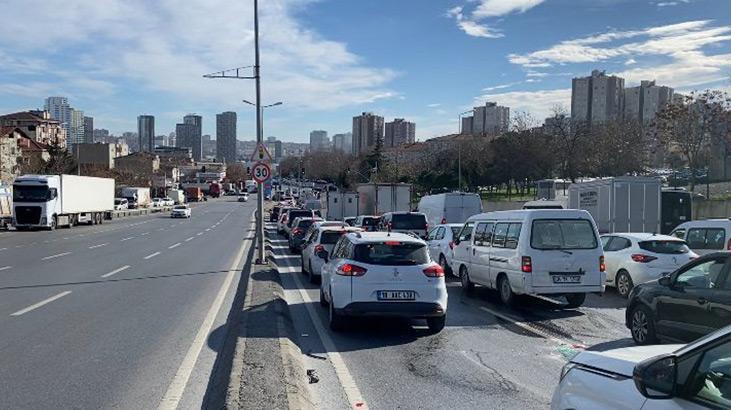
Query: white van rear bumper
[(559, 290)]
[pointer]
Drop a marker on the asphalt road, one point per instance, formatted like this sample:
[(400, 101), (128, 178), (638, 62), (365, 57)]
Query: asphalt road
[(105, 316), (488, 356)]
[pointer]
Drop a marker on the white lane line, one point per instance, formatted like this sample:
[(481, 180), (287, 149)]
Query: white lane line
[(189, 239), (99, 246), (3, 249), (175, 391), (525, 326), (208, 229), (114, 272), (161, 229), (152, 255), (126, 239), (174, 246), (58, 255), (41, 303), (199, 234), (5, 267), (143, 234), (355, 398)]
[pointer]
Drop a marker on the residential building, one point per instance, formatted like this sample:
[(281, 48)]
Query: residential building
[(174, 152), (9, 153), (171, 139), (95, 155), (38, 126), (121, 148), (597, 98), (101, 135), (76, 135), (399, 132), (33, 154), (643, 102), (226, 137), (319, 140), (490, 119), (161, 140), (60, 110), (467, 125), (343, 142), (88, 130), (132, 141), (557, 125), (367, 130), (191, 135), (140, 163), (146, 133)]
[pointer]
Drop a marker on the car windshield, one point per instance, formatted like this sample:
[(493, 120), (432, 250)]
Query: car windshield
[(455, 231), (117, 202), (392, 253), (30, 193), (665, 247), (408, 221), (563, 234)]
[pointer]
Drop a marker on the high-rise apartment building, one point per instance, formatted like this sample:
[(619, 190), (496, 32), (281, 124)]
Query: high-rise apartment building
[(643, 102), (399, 132), (467, 125), (319, 140), (226, 137), (490, 119), (89, 130), (367, 129), (76, 135), (60, 110), (146, 133), (597, 98), (192, 135)]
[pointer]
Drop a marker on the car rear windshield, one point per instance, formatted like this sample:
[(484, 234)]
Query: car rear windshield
[(391, 253), (667, 247), (369, 221), (408, 221), (563, 234), (455, 231), (306, 223), (181, 207), (300, 212), (331, 237)]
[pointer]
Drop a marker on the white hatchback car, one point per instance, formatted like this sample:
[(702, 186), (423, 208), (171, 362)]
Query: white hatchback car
[(633, 258), (382, 274), (321, 239), (441, 243), (180, 211), (692, 376)]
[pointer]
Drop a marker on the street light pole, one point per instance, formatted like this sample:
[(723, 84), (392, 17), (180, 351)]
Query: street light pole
[(261, 255)]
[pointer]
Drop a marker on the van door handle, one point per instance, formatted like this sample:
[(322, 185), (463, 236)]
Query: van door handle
[(702, 301)]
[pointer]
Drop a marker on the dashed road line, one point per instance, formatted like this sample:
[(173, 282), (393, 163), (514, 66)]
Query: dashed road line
[(99, 246), (199, 234), (114, 272), (58, 255), (5, 267), (126, 239), (174, 246), (41, 303), (143, 234), (152, 255), (189, 239)]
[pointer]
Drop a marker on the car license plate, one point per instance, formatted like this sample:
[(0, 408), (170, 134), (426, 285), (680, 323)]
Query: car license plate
[(396, 295), (566, 278)]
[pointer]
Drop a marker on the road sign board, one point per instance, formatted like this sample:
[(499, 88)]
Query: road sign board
[(261, 172), (260, 153)]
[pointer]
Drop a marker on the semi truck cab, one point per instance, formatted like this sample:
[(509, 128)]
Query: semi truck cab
[(35, 201)]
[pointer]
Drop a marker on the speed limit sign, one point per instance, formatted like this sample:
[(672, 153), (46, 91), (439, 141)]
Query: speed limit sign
[(261, 172)]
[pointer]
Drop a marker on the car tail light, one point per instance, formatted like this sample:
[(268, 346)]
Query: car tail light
[(602, 265), (434, 271), (319, 248), (392, 243), (728, 245), (526, 265), (296, 231), (451, 244), (638, 257), (349, 269), (426, 227)]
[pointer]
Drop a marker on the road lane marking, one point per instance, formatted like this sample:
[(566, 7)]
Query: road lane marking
[(174, 246), (99, 246), (189, 239), (175, 391), (114, 272), (5, 267), (58, 255), (143, 234), (3, 249), (208, 229), (126, 239), (199, 234), (41, 303), (152, 255), (525, 326)]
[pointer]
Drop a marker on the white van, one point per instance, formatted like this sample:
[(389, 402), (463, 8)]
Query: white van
[(705, 236), (454, 207), (538, 252)]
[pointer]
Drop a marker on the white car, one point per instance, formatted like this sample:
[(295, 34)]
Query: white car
[(706, 236), (441, 243), (382, 274), (180, 211), (157, 203), (633, 258), (321, 239), (121, 204), (243, 197), (693, 376), (167, 201)]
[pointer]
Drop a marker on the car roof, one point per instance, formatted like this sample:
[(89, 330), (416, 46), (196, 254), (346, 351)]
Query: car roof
[(403, 213), (642, 236), (370, 237), (706, 223), (532, 214), (450, 225), (339, 229)]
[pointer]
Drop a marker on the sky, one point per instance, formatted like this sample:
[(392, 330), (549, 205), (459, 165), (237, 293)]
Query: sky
[(328, 60)]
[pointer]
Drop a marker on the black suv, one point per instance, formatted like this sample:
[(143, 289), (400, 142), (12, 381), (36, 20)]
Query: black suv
[(685, 305)]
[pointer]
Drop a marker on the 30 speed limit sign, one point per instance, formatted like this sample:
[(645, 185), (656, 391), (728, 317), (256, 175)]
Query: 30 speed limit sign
[(261, 172)]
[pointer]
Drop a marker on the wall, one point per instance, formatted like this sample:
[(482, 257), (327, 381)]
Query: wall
[(501, 206), (711, 209)]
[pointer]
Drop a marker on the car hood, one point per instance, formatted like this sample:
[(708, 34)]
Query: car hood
[(622, 361)]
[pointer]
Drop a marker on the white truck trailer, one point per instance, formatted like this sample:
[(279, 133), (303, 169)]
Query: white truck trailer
[(48, 201), (379, 198), (6, 206), (341, 205), (138, 197)]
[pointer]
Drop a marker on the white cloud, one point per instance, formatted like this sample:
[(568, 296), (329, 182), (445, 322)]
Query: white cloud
[(538, 103), (496, 8), (631, 61), (434, 105), (474, 29), (473, 24), (501, 86), (671, 3)]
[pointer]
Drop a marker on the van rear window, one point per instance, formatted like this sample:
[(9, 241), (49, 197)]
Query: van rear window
[(408, 221), (563, 234)]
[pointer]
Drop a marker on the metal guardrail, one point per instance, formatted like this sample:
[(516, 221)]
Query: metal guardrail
[(140, 211)]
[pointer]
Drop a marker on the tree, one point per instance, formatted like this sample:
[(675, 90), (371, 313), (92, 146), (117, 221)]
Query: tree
[(571, 143), (60, 161), (618, 148), (236, 173)]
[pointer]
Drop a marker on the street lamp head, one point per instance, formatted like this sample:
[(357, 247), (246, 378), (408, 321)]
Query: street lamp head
[(276, 103), (249, 102)]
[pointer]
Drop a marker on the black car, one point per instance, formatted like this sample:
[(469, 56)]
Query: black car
[(274, 214), (683, 306)]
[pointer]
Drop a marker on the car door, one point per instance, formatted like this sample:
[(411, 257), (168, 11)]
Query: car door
[(683, 310), (499, 254), (720, 303), (463, 247), (615, 256), (433, 242), (480, 258)]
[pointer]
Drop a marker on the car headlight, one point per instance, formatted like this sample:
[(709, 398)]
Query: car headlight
[(566, 369)]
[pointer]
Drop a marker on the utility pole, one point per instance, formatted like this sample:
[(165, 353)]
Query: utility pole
[(261, 255)]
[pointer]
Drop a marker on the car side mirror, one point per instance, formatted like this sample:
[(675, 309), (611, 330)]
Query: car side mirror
[(323, 255), (456, 241), (665, 281), (655, 377)]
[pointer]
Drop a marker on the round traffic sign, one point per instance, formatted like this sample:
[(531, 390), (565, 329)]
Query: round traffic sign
[(261, 172)]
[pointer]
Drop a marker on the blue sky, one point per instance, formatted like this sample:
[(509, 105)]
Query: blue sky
[(327, 60)]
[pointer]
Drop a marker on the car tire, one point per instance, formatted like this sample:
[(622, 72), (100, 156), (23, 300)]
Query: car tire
[(642, 326), (302, 265), (624, 283), (506, 292), (323, 301), (464, 277), (436, 324), (335, 320), (311, 276), (575, 300), (54, 223), (443, 264)]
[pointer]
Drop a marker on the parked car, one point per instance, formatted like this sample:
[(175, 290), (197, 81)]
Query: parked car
[(295, 213), (693, 376), (121, 204), (350, 220), (322, 224), (297, 233), (323, 238), (157, 203), (405, 222), (535, 252), (180, 211), (282, 219), (683, 306), (167, 201), (441, 242), (633, 258), (243, 197), (706, 236), (382, 274), (274, 213), (367, 222)]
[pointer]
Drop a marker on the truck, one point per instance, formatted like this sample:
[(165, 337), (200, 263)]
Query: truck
[(215, 190), (6, 206), (193, 194), (138, 197), (49, 201), (450, 207), (379, 198), (341, 205), (177, 195)]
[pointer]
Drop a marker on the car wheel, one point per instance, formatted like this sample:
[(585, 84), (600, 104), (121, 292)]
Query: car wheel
[(575, 300), (642, 326), (436, 324), (464, 277), (624, 283), (336, 320), (443, 264), (323, 301), (506, 292), (54, 223)]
